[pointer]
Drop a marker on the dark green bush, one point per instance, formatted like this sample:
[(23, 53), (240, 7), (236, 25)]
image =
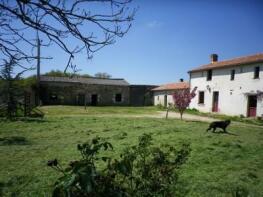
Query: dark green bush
[(141, 170)]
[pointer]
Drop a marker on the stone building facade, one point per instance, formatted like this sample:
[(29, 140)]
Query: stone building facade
[(92, 92)]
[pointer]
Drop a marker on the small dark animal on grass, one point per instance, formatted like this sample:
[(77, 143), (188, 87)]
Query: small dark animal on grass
[(219, 124)]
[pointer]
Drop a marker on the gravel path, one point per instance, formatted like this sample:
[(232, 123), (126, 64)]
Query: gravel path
[(175, 115), (162, 114), (187, 117)]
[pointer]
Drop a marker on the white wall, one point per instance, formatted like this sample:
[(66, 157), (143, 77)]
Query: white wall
[(159, 97), (232, 94)]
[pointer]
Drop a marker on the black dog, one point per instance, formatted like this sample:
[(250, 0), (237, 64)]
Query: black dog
[(219, 124)]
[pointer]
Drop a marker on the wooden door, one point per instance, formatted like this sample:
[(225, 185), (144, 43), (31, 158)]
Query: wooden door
[(215, 101), (94, 99), (252, 106)]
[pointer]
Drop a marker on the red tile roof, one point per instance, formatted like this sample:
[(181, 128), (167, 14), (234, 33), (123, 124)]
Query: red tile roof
[(233, 62), (173, 86)]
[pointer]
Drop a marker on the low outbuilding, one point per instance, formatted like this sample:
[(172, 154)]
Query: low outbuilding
[(163, 95)]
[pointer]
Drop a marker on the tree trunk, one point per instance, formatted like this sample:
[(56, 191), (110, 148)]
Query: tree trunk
[(166, 117), (85, 101), (181, 115)]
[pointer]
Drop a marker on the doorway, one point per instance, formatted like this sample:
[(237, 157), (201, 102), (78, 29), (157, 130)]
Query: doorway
[(215, 102), (252, 106), (94, 99), (165, 100), (81, 99)]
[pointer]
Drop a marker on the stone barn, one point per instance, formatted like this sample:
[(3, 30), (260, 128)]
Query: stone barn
[(79, 90), (93, 91)]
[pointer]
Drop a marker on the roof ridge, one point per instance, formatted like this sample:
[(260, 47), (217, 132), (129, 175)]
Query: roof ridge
[(82, 77), (175, 83), (258, 57), (173, 86), (240, 57)]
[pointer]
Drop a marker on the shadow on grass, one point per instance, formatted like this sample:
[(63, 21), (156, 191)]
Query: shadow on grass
[(2, 185), (224, 132), (13, 140), (24, 119)]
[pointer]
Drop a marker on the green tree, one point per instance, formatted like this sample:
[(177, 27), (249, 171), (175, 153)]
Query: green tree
[(59, 73), (11, 89), (56, 73), (102, 75)]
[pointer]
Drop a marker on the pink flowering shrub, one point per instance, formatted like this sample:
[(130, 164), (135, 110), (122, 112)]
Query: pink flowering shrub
[(182, 99)]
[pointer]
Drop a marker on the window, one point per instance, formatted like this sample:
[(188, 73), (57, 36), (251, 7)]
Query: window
[(201, 97), (118, 97), (209, 75), (232, 75), (53, 97), (256, 72)]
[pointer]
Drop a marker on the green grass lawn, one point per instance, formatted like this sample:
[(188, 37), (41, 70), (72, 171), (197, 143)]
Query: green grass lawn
[(80, 110), (219, 164)]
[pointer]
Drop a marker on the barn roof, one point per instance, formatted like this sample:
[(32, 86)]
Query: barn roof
[(84, 80), (173, 86), (232, 62)]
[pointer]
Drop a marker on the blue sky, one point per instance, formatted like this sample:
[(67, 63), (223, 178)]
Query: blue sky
[(168, 38)]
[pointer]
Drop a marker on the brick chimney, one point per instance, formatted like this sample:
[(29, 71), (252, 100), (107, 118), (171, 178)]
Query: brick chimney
[(214, 58)]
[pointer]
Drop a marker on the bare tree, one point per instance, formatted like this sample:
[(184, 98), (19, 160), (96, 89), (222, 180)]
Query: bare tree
[(57, 22)]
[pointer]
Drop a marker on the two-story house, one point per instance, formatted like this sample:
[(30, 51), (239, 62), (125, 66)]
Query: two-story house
[(231, 87)]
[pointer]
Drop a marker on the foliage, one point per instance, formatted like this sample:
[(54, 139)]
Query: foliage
[(10, 90), (182, 99), (28, 82), (59, 73), (102, 75), (141, 170), (160, 107), (56, 73)]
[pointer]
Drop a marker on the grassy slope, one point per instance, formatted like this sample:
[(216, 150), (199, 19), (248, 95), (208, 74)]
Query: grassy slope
[(218, 164)]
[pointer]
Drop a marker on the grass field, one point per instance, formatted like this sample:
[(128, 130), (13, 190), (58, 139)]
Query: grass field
[(80, 110), (219, 164)]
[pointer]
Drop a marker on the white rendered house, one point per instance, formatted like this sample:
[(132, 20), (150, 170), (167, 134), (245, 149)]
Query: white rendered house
[(163, 95), (231, 87)]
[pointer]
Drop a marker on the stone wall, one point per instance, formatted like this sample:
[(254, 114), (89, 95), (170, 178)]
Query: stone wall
[(141, 95), (77, 94)]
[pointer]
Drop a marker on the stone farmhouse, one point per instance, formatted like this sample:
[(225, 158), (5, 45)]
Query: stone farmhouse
[(93, 91), (232, 87), (163, 95)]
